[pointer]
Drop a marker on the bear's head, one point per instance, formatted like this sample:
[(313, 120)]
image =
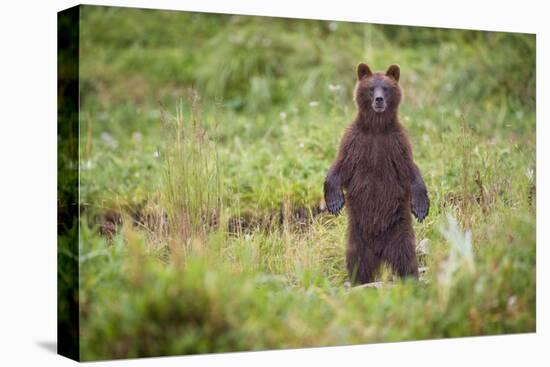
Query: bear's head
[(377, 92)]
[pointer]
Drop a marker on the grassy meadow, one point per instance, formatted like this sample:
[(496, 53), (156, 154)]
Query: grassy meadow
[(204, 141)]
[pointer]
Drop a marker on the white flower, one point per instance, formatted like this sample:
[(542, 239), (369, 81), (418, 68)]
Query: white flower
[(332, 26), (529, 173), (108, 139), (283, 115), (86, 165), (512, 301), (136, 136), (313, 104), (334, 87)]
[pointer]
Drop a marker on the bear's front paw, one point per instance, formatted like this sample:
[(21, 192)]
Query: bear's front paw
[(335, 203), (420, 207)]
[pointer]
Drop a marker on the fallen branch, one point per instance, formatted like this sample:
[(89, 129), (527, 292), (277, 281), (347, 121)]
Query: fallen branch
[(422, 270), (375, 285)]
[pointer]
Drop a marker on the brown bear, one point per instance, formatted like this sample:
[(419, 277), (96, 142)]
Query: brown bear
[(382, 184)]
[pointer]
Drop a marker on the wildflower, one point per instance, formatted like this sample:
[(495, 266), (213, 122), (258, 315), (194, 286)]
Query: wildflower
[(334, 87), (108, 139), (86, 165), (529, 173), (313, 104), (511, 304)]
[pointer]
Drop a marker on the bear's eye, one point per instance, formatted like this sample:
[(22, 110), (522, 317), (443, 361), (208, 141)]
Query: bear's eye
[(385, 89), (371, 89)]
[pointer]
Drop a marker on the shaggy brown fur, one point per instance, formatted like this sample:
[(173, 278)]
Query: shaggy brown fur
[(382, 184)]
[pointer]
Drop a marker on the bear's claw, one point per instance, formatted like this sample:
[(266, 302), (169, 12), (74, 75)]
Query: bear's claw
[(420, 208), (336, 204)]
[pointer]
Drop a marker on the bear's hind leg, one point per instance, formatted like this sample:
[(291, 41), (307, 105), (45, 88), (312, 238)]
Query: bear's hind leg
[(362, 262), (399, 250)]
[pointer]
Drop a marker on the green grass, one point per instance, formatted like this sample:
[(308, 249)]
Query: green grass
[(207, 138)]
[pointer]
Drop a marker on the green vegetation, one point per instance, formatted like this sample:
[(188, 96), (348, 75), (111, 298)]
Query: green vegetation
[(204, 143)]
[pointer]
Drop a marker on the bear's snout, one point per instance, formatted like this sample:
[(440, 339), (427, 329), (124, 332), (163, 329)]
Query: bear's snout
[(379, 101)]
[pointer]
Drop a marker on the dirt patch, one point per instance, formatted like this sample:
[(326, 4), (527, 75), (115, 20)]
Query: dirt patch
[(109, 223), (297, 219)]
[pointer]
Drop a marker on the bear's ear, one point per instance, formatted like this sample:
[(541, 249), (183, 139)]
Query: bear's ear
[(393, 72), (363, 70)]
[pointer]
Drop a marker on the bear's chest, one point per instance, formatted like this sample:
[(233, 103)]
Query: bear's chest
[(376, 172), (376, 157)]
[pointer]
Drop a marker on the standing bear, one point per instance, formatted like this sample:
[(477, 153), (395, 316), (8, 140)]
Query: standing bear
[(382, 184)]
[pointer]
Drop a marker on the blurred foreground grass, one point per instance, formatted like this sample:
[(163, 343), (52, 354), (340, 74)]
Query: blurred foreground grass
[(204, 143)]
